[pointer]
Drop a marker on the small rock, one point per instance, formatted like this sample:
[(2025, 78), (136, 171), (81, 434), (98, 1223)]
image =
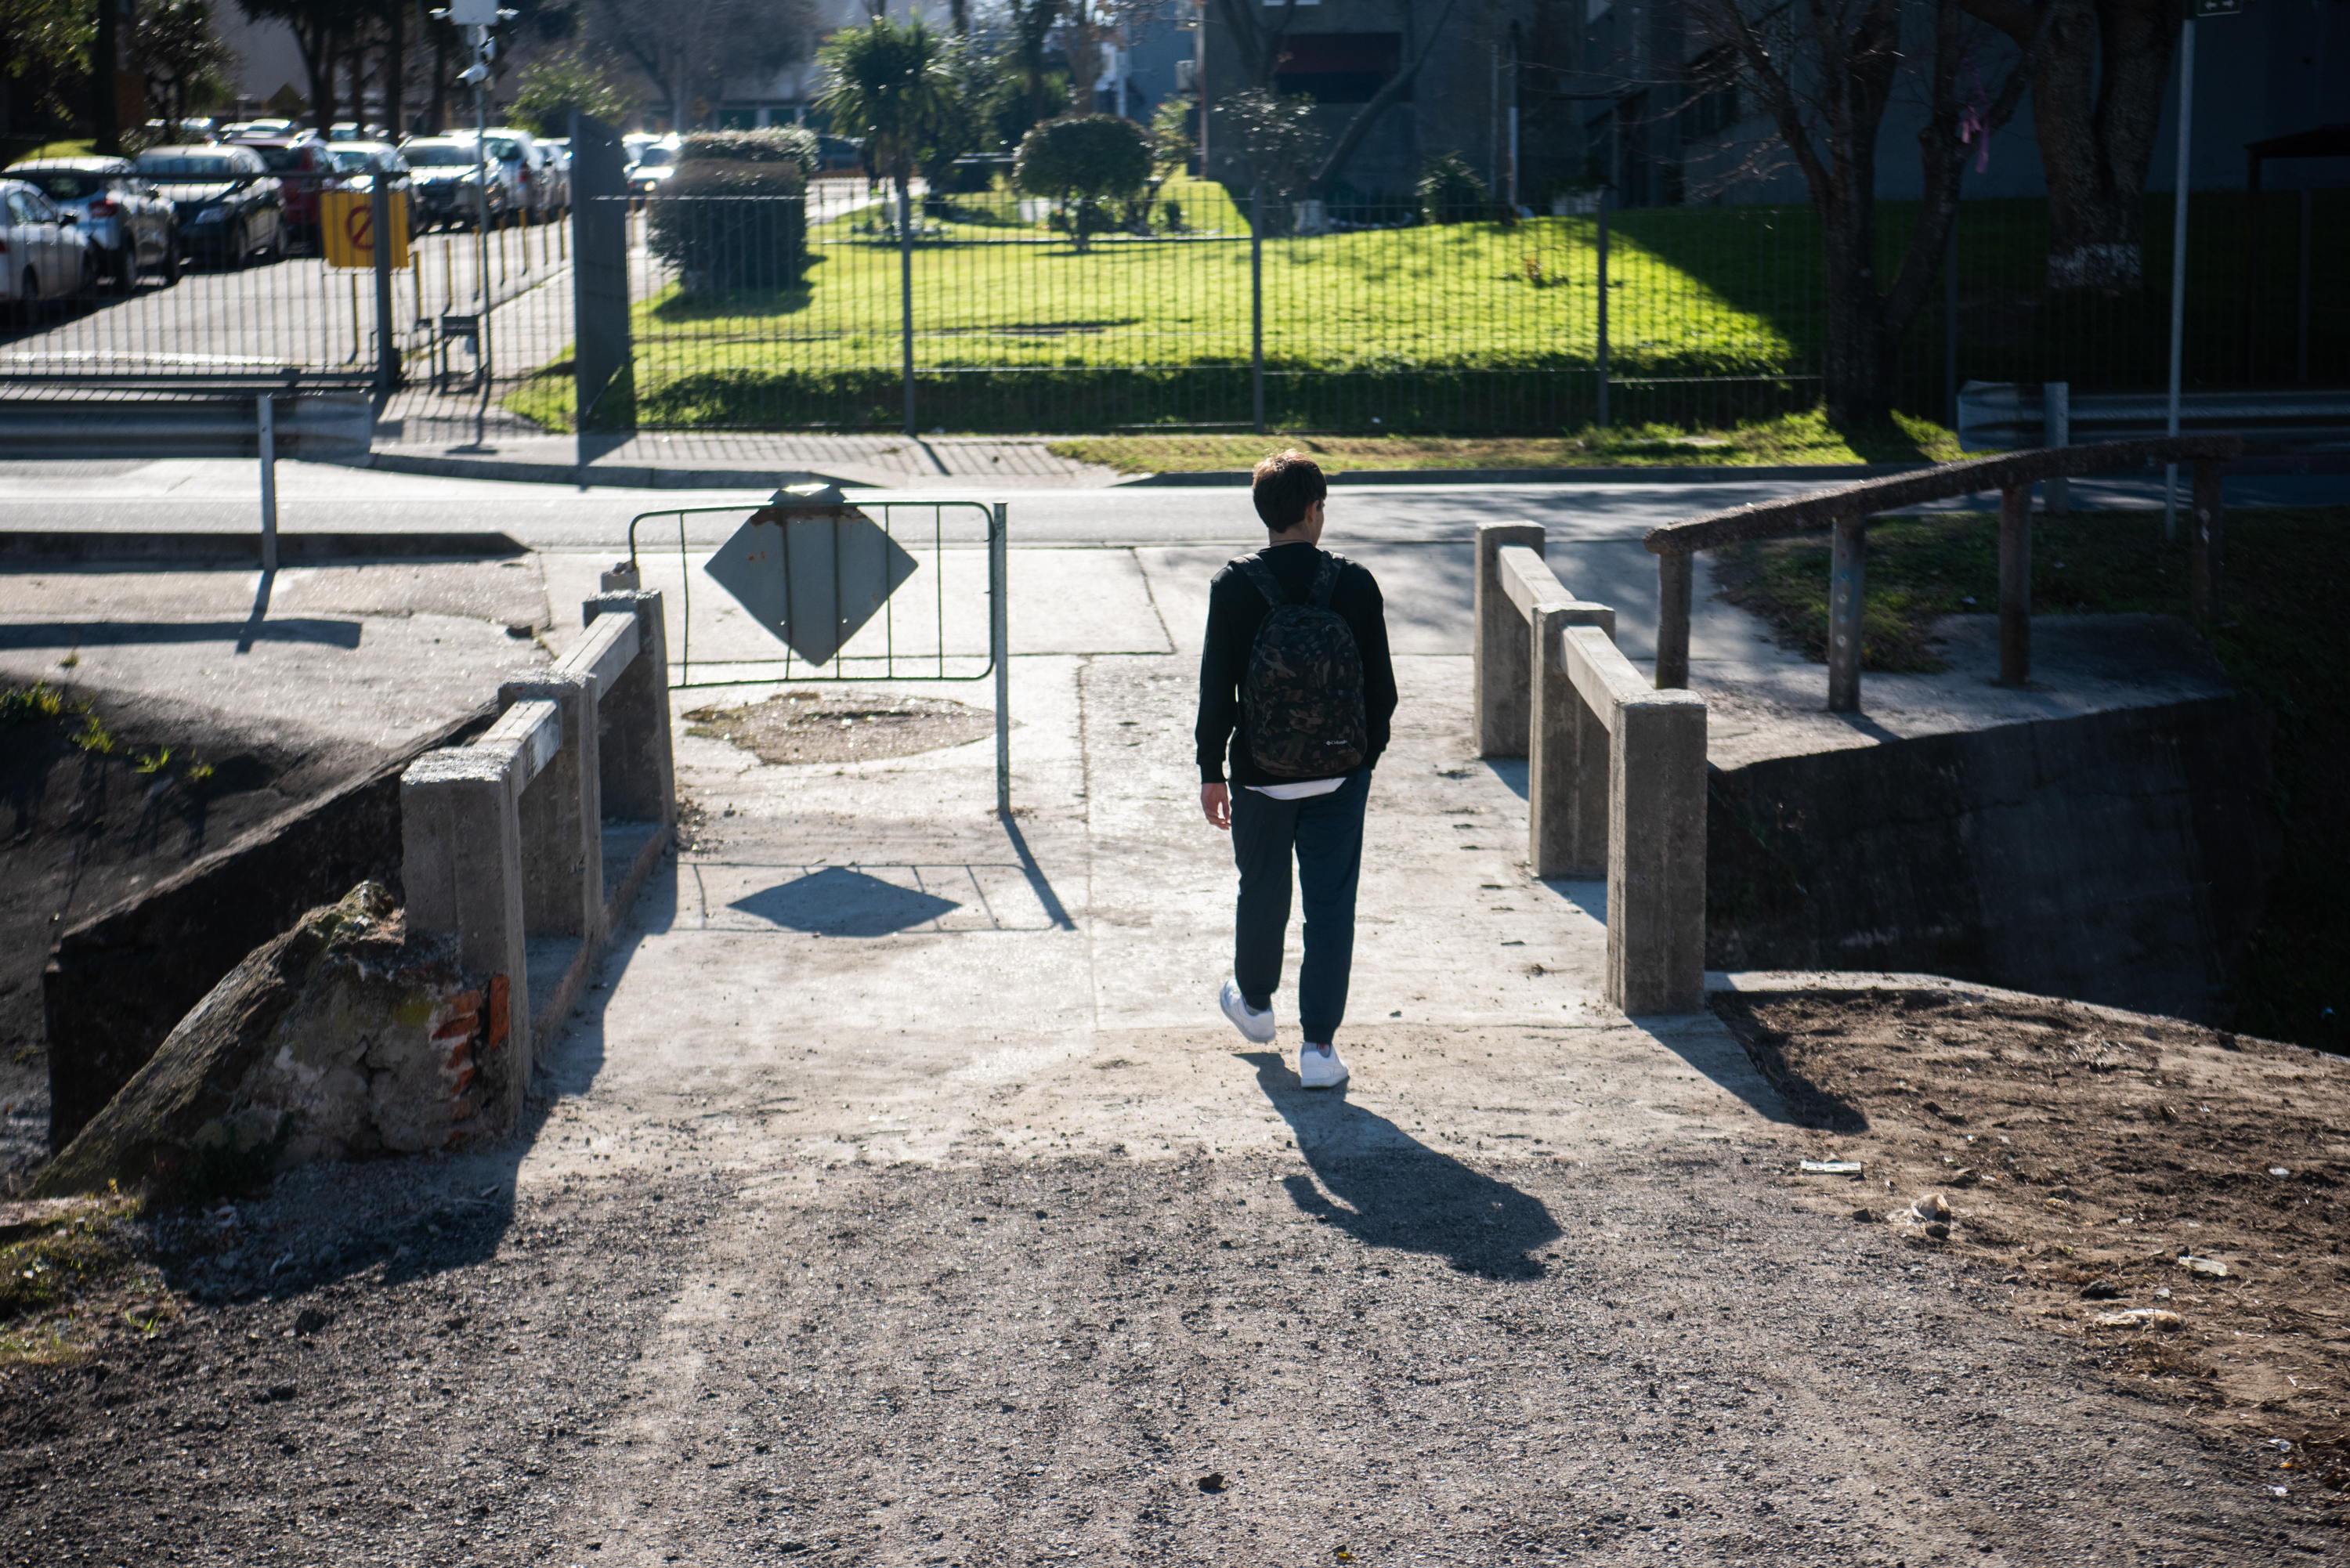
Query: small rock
[(1964, 1176), (1212, 1481), (2101, 1290), (2141, 1317), (2168, 1114), (2212, 1266), (1933, 1206), (1938, 1232), (1866, 1216)]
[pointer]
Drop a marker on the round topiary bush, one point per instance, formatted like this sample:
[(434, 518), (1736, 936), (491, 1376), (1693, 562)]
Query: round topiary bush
[(1088, 157)]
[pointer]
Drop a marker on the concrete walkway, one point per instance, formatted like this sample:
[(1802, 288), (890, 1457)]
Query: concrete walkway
[(1006, 1248)]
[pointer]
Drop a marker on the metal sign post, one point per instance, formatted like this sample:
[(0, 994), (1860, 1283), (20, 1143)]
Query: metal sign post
[(2195, 8)]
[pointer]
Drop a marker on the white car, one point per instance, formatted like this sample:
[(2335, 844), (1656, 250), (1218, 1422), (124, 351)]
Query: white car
[(43, 256)]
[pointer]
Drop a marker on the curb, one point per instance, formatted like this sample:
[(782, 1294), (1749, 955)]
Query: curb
[(640, 476), (1725, 474), (244, 550)]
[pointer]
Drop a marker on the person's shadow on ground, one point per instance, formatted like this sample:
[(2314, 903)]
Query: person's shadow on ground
[(1386, 1188)]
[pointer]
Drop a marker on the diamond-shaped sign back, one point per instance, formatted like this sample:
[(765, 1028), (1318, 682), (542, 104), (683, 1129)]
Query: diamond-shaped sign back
[(812, 574)]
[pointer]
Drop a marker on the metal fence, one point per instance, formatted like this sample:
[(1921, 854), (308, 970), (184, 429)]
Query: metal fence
[(1196, 310), (282, 315)]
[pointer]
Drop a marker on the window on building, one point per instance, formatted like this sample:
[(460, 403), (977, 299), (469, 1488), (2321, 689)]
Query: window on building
[(1338, 68), (1711, 106)]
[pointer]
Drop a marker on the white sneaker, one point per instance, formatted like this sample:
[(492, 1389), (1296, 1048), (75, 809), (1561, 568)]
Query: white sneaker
[(1318, 1066), (1253, 1025)]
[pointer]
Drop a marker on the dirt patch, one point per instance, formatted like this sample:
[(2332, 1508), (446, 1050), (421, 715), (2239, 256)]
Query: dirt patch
[(828, 727), (2085, 1155)]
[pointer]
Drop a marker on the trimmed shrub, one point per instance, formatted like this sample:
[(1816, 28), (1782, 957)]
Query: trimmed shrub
[(734, 215), (1451, 192)]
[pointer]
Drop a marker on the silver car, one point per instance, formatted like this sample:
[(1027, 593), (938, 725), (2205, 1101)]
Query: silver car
[(43, 257), (133, 229)]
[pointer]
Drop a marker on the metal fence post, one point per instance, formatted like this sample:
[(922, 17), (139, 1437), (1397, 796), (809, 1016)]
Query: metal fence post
[(2056, 429), (1601, 311), (1847, 587), (1951, 317), (906, 297), (2015, 586), (2209, 506), (999, 644), (1256, 307), (265, 412), (387, 340)]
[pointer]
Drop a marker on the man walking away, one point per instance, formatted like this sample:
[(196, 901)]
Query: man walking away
[(1295, 681)]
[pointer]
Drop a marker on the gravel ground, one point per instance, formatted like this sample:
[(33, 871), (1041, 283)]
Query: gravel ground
[(2101, 1163), (1420, 1358)]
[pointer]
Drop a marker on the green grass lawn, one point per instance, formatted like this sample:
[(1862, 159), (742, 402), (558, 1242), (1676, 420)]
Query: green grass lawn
[(2285, 642), (1715, 317)]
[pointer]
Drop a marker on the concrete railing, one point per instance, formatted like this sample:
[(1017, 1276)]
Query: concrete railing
[(521, 849), (1616, 770), (1851, 509)]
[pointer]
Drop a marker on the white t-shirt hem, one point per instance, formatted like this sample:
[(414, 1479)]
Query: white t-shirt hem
[(1305, 789)]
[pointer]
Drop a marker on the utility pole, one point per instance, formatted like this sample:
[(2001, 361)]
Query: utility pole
[(479, 17)]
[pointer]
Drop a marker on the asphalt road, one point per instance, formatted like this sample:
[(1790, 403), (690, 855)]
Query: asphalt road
[(294, 310)]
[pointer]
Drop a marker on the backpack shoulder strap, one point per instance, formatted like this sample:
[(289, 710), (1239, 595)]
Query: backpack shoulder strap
[(1325, 580), (1257, 572)]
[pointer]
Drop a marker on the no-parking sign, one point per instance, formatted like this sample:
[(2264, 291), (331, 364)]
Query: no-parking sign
[(346, 224)]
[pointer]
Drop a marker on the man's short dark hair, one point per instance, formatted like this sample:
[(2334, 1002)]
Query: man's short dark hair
[(1286, 483)]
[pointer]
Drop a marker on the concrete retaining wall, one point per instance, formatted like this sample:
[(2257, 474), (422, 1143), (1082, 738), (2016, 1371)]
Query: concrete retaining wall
[(117, 983), (2118, 857)]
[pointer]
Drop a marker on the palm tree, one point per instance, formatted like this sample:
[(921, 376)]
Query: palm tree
[(894, 86)]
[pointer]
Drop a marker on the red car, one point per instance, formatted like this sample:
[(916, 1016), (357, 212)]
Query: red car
[(303, 167)]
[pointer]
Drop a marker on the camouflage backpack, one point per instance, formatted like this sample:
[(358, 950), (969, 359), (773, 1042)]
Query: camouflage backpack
[(1303, 695)]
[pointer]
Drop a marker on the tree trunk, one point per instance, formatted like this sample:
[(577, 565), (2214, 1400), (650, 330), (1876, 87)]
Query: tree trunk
[(1084, 57), (1856, 378), (2098, 82)]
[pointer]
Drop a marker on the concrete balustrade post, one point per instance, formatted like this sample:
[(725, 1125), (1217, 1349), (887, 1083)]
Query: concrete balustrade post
[(1568, 766), (1502, 673), (561, 814), (1676, 577), (639, 773), (461, 870), (1656, 855)]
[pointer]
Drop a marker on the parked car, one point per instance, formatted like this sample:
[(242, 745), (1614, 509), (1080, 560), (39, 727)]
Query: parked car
[(188, 132), (229, 208), (838, 155), (519, 151), (354, 165), (557, 152), (300, 164), (653, 165), (243, 127), (43, 256), (132, 228), (442, 174)]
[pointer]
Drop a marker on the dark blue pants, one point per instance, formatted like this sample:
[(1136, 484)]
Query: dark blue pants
[(1325, 834)]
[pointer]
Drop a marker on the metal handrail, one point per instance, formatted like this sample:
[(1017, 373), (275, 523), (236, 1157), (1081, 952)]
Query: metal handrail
[(1848, 510)]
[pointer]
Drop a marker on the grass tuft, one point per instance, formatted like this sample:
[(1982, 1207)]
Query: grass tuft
[(73, 1274)]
